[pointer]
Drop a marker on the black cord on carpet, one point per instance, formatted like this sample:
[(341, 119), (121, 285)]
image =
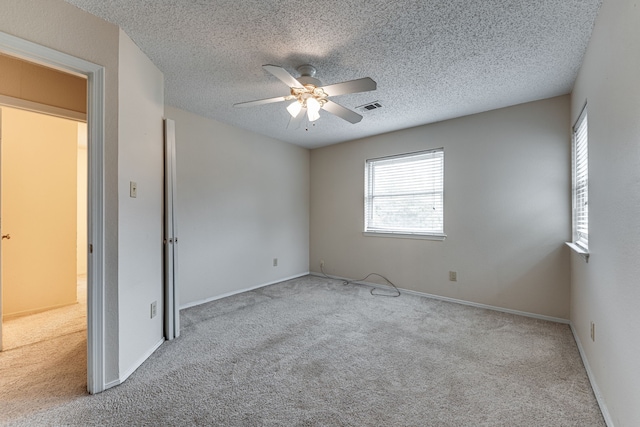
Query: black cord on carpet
[(371, 291)]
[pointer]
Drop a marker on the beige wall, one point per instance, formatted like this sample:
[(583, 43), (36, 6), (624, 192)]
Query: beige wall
[(81, 249), (507, 210), (607, 289), (242, 200), (38, 211), (32, 82)]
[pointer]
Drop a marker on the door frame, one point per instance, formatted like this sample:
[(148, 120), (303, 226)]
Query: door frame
[(95, 75)]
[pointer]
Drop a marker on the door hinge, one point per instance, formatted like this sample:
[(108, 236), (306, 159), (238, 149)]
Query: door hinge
[(90, 248)]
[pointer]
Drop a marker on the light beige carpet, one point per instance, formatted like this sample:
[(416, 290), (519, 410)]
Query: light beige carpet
[(313, 352), (44, 362), (34, 328)]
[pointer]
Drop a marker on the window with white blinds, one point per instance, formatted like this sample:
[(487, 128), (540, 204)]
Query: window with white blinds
[(581, 182), (405, 194)]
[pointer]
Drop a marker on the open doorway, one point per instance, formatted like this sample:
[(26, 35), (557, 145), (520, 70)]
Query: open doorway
[(94, 102), (43, 201), (44, 266), (43, 261)]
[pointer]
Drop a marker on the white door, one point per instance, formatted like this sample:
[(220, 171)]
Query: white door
[(172, 306)]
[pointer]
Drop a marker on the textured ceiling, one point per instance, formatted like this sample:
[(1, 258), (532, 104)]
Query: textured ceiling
[(432, 59)]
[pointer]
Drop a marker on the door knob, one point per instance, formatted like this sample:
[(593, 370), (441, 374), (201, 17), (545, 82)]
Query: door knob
[(6, 236)]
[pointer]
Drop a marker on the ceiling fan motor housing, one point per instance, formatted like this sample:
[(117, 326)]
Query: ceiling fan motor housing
[(307, 73), (306, 80)]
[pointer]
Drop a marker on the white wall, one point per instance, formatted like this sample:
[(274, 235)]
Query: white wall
[(507, 210), (607, 289), (61, 26), (243, 199), (140, 159)]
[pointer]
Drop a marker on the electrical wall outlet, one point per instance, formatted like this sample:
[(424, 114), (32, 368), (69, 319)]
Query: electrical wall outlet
[(453, 276), (154, 309), (275, 262), (593, 332)]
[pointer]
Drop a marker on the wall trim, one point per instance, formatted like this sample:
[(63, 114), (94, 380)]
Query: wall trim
[(112, 384), (139, 362), (37, 107), (453, 300), (592, 379), (228, 294), (35, 311)]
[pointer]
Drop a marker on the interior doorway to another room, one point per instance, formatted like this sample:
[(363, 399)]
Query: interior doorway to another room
[(43, 212), (34, 76)]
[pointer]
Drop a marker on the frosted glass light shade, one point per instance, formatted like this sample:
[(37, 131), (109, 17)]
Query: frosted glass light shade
[(294, 109), (313, 109)]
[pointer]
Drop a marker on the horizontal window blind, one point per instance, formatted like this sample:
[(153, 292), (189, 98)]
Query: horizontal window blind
[(581, 182), (405, 194)]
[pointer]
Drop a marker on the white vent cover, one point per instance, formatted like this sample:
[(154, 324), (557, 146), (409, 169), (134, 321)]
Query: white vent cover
[(369, 107)]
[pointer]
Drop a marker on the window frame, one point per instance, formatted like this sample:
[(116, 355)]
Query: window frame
[(580, 184), (368, 197)]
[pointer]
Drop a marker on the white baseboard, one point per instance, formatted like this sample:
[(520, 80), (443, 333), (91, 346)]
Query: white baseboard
[(139, 362), (592, 380), (112, 384), (36, 311), (228, 294), (454, 300)]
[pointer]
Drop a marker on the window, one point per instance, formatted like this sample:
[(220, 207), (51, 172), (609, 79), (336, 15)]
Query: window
[(581, 183), (404, 195)]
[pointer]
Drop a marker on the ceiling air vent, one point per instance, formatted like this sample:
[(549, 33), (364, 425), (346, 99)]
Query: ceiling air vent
[(369, 107)]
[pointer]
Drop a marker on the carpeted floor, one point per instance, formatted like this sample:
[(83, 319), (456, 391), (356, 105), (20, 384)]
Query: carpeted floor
[(35, 328), (313, 352), (44, 362)]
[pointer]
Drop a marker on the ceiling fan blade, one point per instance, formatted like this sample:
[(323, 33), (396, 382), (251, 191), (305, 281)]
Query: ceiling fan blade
[(342, 112), (353, 86), (261, 101), (283, 75), (296, 121)]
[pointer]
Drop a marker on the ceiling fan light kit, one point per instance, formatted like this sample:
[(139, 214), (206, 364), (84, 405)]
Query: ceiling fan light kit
[(310, 96)]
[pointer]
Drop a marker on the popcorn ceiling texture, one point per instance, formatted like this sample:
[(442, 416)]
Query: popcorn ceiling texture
[(432, 60)]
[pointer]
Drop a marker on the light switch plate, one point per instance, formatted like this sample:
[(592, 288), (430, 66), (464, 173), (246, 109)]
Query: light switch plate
[(133, 189)]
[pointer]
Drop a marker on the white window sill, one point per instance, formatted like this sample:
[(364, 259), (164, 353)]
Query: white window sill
[(439, 237), (580, 251)]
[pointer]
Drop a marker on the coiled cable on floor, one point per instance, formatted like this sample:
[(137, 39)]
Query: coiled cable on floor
[(371, 291)]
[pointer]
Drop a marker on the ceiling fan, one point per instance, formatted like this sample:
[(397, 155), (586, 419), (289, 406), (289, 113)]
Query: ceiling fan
[(309, 96)]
